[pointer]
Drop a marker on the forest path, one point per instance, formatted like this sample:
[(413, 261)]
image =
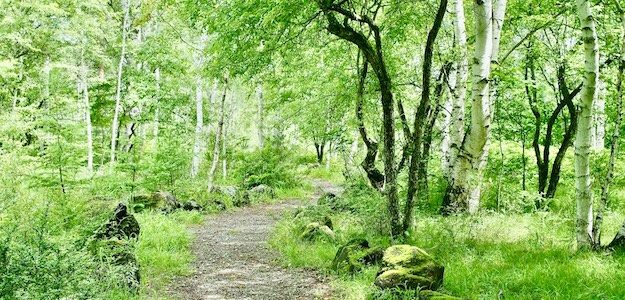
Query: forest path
[(233, 259)]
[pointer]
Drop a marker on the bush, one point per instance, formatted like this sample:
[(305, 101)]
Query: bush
[(270, 166)]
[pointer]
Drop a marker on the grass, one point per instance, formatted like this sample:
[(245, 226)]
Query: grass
[(164, 248), (517, 255)]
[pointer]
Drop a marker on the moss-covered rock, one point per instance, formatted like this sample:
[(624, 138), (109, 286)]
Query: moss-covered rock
[(242, 200), (409, 267), (355, 255), (229, 191), (433, 295), (317, 231), (121, 226), (263, 190), (319, 214), (164, 201), (115, 241)]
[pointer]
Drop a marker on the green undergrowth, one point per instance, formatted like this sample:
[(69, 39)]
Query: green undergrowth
[(164, 248), (515, 255)]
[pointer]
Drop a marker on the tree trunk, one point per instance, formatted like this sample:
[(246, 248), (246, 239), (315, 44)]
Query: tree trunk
[(224, 144), (20, 77), (459, 90), (157, 111), (375, 58), (199, 128), (118, 91), (463, 192), (319, 147), (261, 117), (619, 240), (84, 84), (417, 172), (375, 176), (218, 133), (582, 139)]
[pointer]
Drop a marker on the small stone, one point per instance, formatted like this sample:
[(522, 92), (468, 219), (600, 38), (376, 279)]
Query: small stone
[(314, 231)]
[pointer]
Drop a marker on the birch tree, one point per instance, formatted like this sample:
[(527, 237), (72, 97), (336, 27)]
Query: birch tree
[(118, 91), (457, 87), (218, 136), (84, 90), (261, 116), (463, 191), (584, 126), (199, 108)]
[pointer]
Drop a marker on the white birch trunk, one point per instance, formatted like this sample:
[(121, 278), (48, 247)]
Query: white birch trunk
[(598, 124), (20, 76), (584, 214), (464, 191), (199, 128), (84, 85), (157, 111), (199, 108), (459, 87), (118, 91), (218, 133), (46, 77), (261, 123)]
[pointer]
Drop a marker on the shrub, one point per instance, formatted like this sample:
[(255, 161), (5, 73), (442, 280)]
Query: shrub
[(270, 165)]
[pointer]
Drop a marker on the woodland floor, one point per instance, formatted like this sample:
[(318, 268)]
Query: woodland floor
[(233, 259)]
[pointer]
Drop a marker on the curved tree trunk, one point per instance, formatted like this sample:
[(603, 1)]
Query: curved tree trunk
[(375, 57)]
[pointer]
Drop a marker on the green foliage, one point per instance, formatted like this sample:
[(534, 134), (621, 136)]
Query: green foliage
[(270, 166)]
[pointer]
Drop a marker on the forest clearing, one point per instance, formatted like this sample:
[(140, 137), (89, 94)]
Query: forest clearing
[(312, 149)]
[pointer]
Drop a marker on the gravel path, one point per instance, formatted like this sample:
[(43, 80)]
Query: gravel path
[(233, 260)]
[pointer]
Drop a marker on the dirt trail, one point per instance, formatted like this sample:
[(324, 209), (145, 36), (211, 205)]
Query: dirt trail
[(233, 259)]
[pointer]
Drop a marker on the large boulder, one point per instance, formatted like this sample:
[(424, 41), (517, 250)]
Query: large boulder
[(115, 241), (164, 201), (409, 267), (121, 226), (317, 231), (230, 191), (263, 190), (355, 255)]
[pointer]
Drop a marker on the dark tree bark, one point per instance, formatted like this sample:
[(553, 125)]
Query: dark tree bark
[(548, 179), (319, 147), (420, 148), (375, 176), (375, 57)]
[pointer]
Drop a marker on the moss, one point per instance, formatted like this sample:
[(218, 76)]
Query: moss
[(405, 255), (315, 231), (408, 267), (433, 295), (403, 278)]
